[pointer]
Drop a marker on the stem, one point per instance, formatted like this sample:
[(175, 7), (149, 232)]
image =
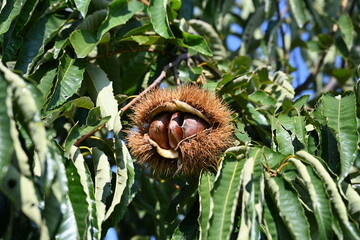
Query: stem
[(87, 135), (147, 3), (158, 80)]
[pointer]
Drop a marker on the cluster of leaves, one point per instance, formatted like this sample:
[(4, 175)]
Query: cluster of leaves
[(67, 66)]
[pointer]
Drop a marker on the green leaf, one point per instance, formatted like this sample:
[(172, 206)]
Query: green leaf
[(13, 38), (333, 193), (299, 103), (123, 183), (68, 109), (13, 186), (255, 20), (93, 21), (295, 126), (93, 122), (225, 196), (83, 193), (188, 227), (83, 42), (298, 10), (319, 199), (120, 11), (353, 200), (103, 92), (289, 207), (281, 88), (346, 27), (29, 116), (206, 184), (194, 42), (34, 43), (209, 33), (269, 223), (78, 194), (9, 12), (46, 84), (159, 18), (68, 228), (282, 137), (102, 182), (82, 6), (145, 40), (56, 189), (70, 76), (6, 143), (252, 196), (262, 98), (340, 112)]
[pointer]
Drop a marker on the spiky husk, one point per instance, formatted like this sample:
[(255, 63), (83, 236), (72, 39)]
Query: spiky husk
[(197, 153)]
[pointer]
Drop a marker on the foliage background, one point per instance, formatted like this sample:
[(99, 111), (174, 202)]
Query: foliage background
[(68, 68)]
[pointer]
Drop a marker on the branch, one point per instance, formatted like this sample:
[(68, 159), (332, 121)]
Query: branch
[(158, 80), (217, 73), (147, 3), (77, 143), (311, 76)]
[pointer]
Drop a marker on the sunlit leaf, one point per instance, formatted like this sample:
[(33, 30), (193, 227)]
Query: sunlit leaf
[(83, 194), (120, 11), (334, 195), (8, 12), (225, 192), (6, 143), (83, 42), (29, 116), (102, 181), (208, 32), (340, 112), (346, 28), (104, 97), (82, 5), (13, 186), (252, 196), (206, 184), (289, 207), (319, 199), (298, 10), (70, 76), (159, 18), (123, 182)]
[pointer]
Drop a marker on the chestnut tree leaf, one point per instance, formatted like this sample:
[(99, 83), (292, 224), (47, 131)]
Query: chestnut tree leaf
[(225, 193)]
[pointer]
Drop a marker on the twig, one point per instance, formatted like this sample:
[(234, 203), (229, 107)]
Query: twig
[(176, 76), (217, 73), (147, 3), (158, 80), (77, 143), (311, 76), (316, 70)]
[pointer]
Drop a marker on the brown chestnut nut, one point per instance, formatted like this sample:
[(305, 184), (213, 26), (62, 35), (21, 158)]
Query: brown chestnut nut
[(158, 130), (192, 125), (164, 118), (175, 132)]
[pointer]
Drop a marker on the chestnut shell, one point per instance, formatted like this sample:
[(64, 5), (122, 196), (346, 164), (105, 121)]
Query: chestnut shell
[(198, 152)]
